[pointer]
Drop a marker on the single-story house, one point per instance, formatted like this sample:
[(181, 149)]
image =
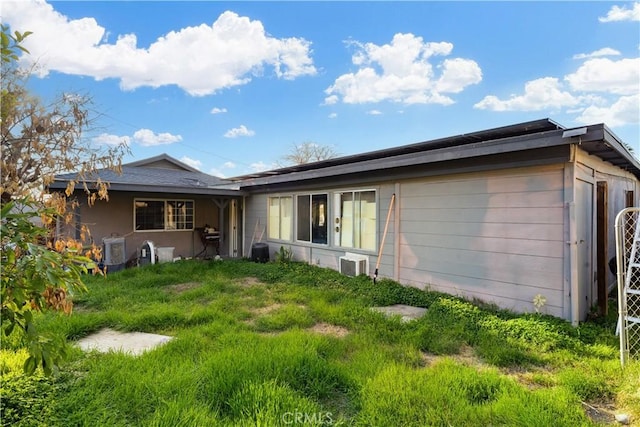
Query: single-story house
[(164, 201), (505, 215)]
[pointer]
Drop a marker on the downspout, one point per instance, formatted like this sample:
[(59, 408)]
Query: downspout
[(573, 260), (569, 180), (244, 210), (396, 235)]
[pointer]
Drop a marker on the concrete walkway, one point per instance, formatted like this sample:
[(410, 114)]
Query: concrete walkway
[(406, 312), (134, 343)]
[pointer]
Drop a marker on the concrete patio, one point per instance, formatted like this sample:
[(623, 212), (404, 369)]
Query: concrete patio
[(406, 312), (134, 343)]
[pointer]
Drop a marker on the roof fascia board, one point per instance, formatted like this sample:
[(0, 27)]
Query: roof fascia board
[(611, 139), (534, 127), (60, 185), (483, 148), (601, 142), (556, 155)]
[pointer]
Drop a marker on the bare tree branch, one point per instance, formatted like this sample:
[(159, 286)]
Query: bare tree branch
[(308, 152)]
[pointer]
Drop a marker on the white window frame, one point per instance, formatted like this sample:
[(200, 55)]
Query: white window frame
[(270, 225), (338, 219)]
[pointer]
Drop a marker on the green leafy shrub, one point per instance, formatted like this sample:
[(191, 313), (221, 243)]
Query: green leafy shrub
[(284, 255)]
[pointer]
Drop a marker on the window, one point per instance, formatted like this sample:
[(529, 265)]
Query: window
[(312, 218), (163, 215), (280, 222), (356, 219)]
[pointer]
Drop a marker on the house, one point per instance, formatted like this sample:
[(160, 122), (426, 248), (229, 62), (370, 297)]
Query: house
[(503, 215), (161, 200)]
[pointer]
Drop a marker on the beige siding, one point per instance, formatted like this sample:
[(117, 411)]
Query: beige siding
[(255, 221), (495, 236), (619, 182), (323, 255)]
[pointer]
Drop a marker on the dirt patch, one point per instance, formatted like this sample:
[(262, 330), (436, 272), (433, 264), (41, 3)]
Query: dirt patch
[(464, 357), (266, 309), (328, 329), (249, 281), (79, 308), (600, 412), (533, 378), (182, 287)]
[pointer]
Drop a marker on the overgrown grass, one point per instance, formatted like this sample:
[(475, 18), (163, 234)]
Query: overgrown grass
[(246, 353)]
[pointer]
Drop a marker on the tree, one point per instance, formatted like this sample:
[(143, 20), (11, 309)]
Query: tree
[(41, 140), (39, 270), (308, 152)]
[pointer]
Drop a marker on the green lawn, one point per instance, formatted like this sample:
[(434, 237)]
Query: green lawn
[(290, 344)]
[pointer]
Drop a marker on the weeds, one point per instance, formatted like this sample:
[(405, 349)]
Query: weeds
[(244, 353)]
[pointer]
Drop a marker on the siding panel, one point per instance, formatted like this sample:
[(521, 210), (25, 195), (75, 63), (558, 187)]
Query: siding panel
[(497, 236)]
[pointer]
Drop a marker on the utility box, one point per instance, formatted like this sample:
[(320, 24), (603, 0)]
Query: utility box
[(113, 253), (260, 252), (147, 253), (165, 254)]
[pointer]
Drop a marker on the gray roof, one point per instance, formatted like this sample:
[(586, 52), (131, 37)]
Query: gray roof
[(448, 142), (159, 174), (521, 144), (531, 143)]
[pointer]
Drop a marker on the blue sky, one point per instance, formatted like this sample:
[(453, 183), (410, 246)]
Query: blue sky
[(230, 87)]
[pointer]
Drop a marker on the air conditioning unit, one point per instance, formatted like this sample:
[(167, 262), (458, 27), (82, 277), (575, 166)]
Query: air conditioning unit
[(354, 264), (113, 253)]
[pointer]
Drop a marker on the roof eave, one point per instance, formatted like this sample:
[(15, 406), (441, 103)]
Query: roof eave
[(137, 188)]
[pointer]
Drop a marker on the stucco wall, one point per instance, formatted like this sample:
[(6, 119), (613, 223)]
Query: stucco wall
[(115, 219)]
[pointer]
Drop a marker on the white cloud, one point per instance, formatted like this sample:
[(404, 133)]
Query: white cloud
[(538, 95), (331, 100), (626, 110), (374, 112), (600, 90), (217, 172), (620, 77), (260, 166), (239, 131), (402, 71), (108, 139), (606, 51), (201, 59), (217, 110), (333, 115), (148, 138), (617, 13), (197, 164)]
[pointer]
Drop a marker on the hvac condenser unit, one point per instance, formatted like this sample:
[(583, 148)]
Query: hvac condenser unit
[(113, 253), (354, 264)]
